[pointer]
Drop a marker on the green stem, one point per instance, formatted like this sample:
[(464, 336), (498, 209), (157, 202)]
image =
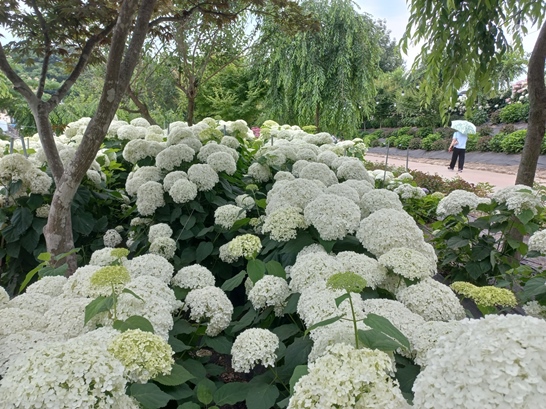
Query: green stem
[(278, 380), (354, 320)]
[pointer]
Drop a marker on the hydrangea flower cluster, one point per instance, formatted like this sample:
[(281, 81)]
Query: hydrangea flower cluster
[(432, 300), (487, 296), (366, 267), (493, 362), (226, 216), (246, 245), (519, 198), (408, 263), (149, 198), (348, 378), (143, 354), (212, 303), (270, 291), (252, 347), (282, 223), (537, 241), (455, 202), (379, 199), (192, 277), (111, 238), (425, 337), (164, 247), (204, 176), (312, 267), (333, 216), (407, 191)]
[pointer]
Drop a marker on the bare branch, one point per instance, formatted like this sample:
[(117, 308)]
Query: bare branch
[(48, 51)]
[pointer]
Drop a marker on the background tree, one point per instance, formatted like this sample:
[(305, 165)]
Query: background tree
[(323, 78), (476, 36)]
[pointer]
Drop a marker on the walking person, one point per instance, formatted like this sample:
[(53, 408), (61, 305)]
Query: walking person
[(458, 147)]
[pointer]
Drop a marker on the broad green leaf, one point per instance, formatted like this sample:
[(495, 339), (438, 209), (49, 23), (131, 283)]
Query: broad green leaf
[(182, 326), (187, 221), (383, 325), (297, 352), (50, 272), (178, 392), (128, 291), (262, 396), (375, 339), (98, 305), (203, 251), (526, 216), (30, 275), (275, 268), (189, 405), (478, 269), (205, 390), (196, 368), (34, 201), (457, 242), (234, 282), (44, 257), (68, 253), (134, 322), (534, 287), (255, 269), (299, 371), (245, 321), (177, 345), (285, 331), (220, 344), (83, 223), (342, 298), (21, 220), (292, 304), (231, 393), (149, 395), (323, 323), (178, 376)]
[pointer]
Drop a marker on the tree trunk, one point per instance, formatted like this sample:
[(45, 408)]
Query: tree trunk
[(122, 60), (191, 95), (317, 117), (40, 112), (537, 112)]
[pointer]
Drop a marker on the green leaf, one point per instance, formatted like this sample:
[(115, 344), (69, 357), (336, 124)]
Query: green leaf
[(203, 251), (177, 345), (44, 257), (261, 203), (298, 351), (205, 390), (239, 223), (255, 269), (187, 222), (182, 326), (13, 249), (35, 201), (50, 272), (534, 287), (30, 275), (231, 393), (375, 339), (292, 304), (262, 396), (220, 344), (299, 371), (98, 305), (476, 269), (178, 376), (383, 325), (189, 405), (285, 331), (10, 234), (134, 322), (457, 242), (342, 298), (234, 282), (275, 268), (526, 216), (196, 368), (83, 223), (323, 323), (245, 321), (149, 395), (21, 220)]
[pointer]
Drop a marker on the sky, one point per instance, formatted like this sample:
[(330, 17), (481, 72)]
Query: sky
[(395, 12)]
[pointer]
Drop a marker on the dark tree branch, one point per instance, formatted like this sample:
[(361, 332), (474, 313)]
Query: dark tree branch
[(48, 50), (18, 84)]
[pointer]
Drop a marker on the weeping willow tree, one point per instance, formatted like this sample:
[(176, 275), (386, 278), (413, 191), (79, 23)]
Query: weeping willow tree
[(322, 77)]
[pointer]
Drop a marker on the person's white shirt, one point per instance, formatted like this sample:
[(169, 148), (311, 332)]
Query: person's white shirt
[(461, 139)]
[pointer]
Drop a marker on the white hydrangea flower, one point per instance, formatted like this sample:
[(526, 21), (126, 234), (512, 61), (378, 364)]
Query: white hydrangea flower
[(164, 247), (282, 223), (348, 378), (173, 156), (127, 132), (16, 319), (230, 142), (35, 302), (212, 303), (43, 211), (213, 147), (140, 221), (79, 284), (172, 177), (150, 265), (493, 362), (283, 175), (426, 336), (149, 198), (306, 154), (298, 166), (385, 229), (345, 191), (111, 238), (193, 143), (398, 314), (66, 318), (537, 241), (222, 162), (519, 198), (138, 149), (143, 354), (274, 158), (366, 267), (298, 193), (252, 347), (319, 171), (159, 230), (327, 157), (312, 267), (408, 263), (183, 191), (405, 177), (353, 169), (178, 133), (245, 201), (192, 277), (406, 191), (377, 199), (270, 291), (226, 216), (338, 332), (432, 300), (246, 245), (114, 126), (534, 309), (361, 186), (260, 173), (142, 122), (454, 203), (4, 297), (318, 303), (78, 373), (383, 175), (333, 216), (203, 175)]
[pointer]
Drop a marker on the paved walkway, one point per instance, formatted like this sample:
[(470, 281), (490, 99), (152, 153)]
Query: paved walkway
[(470, 173)]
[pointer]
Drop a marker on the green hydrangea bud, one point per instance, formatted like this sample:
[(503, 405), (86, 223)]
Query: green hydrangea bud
[(110, 276), (347, 281), (119, 253)]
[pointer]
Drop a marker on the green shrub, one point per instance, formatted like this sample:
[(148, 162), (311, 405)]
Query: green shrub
[(440, 145), (391, 140), (485, 130), (403, 131), (478, 117), (374, 143), (517, 112), (415, 143), (494, 118), (379, 133), (495, 142), (312, 129), (513, 143), (402, 142), (483, 142), (427, 142), (424, 132), (471, 142), (445, 132), (507, 129)]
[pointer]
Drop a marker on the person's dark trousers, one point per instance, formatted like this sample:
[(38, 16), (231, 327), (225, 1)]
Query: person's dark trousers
[(457, 154)]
